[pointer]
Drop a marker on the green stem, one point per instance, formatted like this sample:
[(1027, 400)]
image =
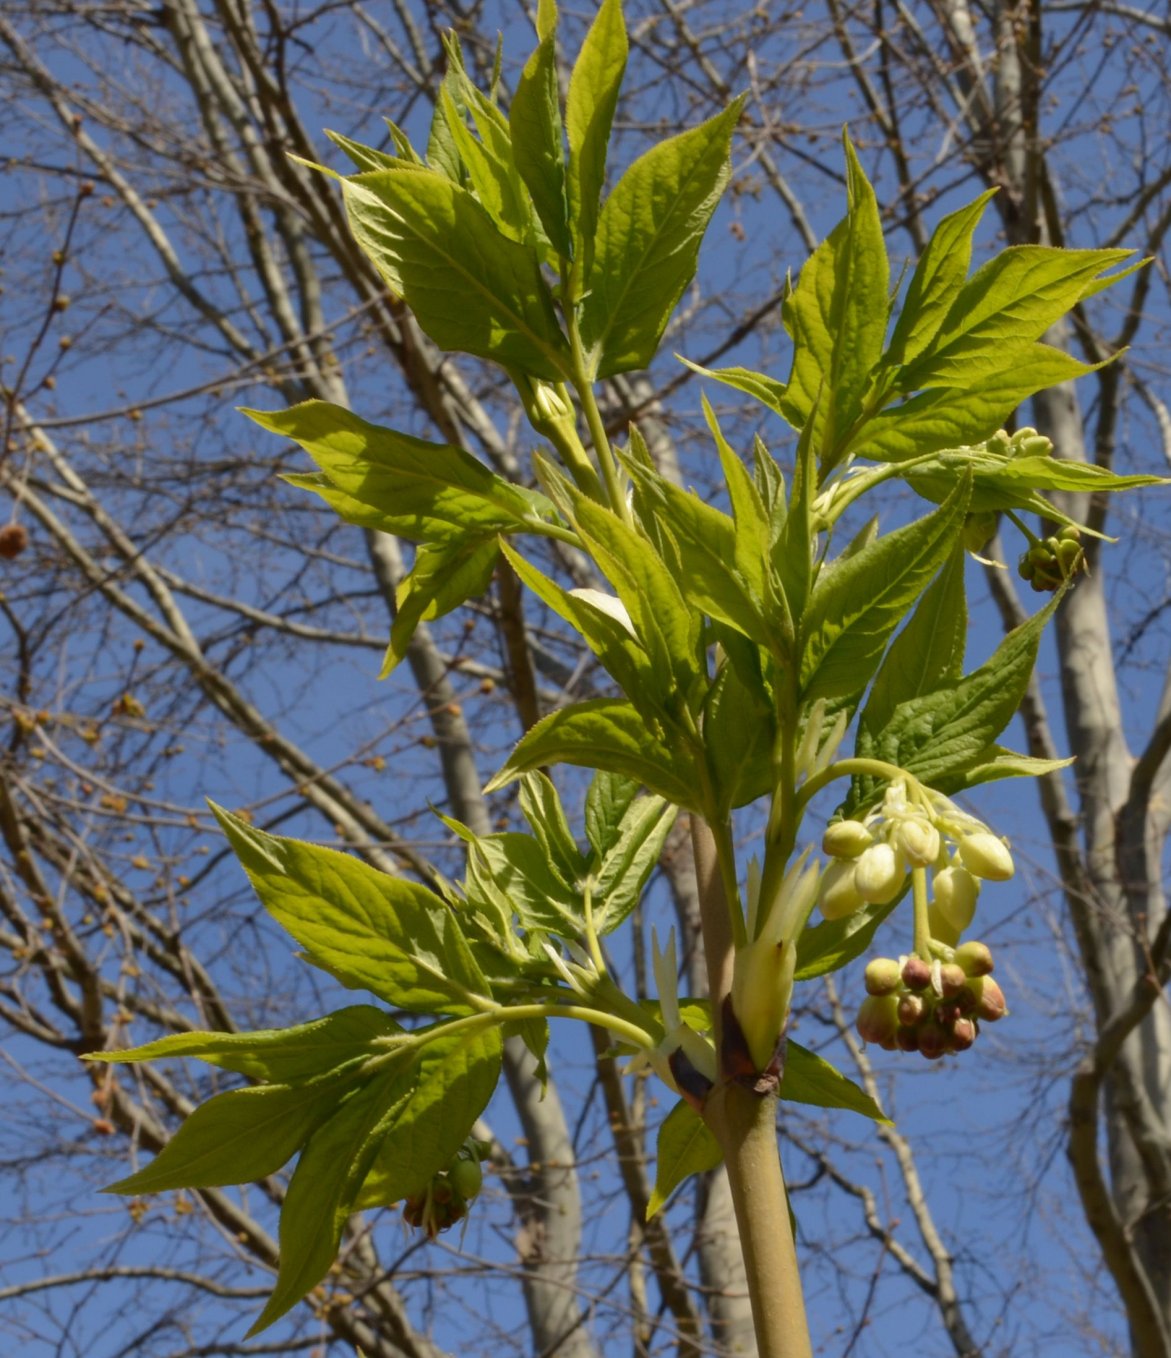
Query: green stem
[(583, 385), (922, 926), (744, 1124), (847, 768), (508, 1013)]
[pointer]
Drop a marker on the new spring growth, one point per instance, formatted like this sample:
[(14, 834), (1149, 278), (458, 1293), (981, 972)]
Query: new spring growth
[(762, 976)]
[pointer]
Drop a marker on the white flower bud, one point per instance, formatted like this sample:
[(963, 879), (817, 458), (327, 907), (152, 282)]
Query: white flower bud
[(878, 874), (956, 890), (846, 839), (839, 896), (986, 856)]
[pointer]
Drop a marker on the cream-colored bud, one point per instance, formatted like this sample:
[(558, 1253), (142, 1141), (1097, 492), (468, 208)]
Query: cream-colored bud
[(956, 890), (918, 839), (878, 874), (986, 856), (846, 839), (838, 895)]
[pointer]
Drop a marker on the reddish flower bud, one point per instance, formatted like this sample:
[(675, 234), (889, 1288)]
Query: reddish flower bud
[(916, 973), (990, 1002), (877, 1020)]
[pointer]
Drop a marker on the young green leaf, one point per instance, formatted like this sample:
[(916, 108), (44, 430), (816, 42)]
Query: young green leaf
[(621, 653), (535, 123), (939, 737), (710, 572), (858, 603), (324, 1186), (541, 807), (1011, 300), (971, 410), (809, 1078), (277, 1055), (514, 870), (491, 174), (936, 283), (767, 390), (469, 287), (648, 240), (456, 1076), (364, 157), (740, 736), (420, 490), (607, 733), (445, 575), (607, 802), (242, 1136), (685, 1147), (589, 113), (368, 929), (654, 599), (386, 1142), (837, 317), (830, 945), (631, 858), (929, 650)]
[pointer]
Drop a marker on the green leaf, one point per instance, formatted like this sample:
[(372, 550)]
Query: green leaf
[(666, 625), (767, 390), (752, 539), (685, 1147), (929, 650), (420, 490), (491, 173), (541, 807), (939, 737), (455, 1077), (631, 858), (470, 288), (809, 1078), (589, 114), (858, 603), (364, 157), (1011, 300), (607, 802), (387, 1141), (936, 282), (518, 868), (623, 656), (535, 124), (709, 570), (241, 1136), (445, 575), (648, 240), (830, 945), (324, 1186), (368, 929), (970, 411), (276, 1055), (606, 733), (740, 736), (996, 762), (837, 318)]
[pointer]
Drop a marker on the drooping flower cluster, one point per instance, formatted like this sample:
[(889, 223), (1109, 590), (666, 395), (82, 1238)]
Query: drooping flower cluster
[(870, 859), (930, 1007), (933, 999)]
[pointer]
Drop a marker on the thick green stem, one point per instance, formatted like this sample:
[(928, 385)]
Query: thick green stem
[(744, 1123)]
